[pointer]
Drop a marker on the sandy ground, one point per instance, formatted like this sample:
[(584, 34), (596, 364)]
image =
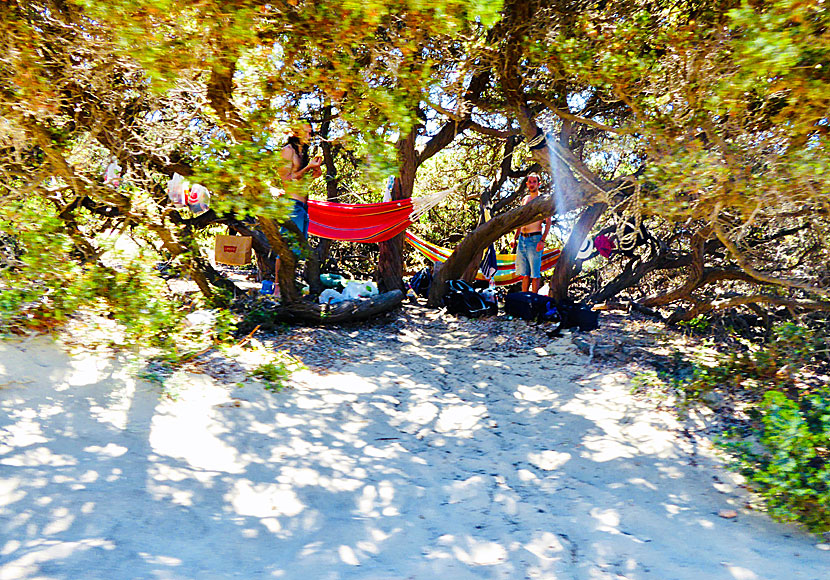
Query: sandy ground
[(431, 455)]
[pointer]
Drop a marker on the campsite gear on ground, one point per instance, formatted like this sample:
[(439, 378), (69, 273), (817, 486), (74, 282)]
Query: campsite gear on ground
[(604, 245), (334, 281), (531, 306), (233, 250), (267, 287), (578, 315), (411, 296), (355, 289), (489, 294), (330, 296), (490, 298), (586, 250), (462, 299), (421, 282), (505, 262)]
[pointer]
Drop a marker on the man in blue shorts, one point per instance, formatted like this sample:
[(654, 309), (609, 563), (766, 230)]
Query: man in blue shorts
[(530, 242)]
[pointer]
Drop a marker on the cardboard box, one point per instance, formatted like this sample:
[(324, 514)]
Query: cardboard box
[(233, 250)]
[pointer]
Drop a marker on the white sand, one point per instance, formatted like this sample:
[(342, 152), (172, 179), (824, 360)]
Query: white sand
[(440, 462)]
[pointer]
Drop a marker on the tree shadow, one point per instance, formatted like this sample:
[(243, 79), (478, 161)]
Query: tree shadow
[(417, 458)]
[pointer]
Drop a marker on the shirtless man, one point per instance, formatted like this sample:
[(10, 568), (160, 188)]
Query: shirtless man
[(530, 242), (296, 166)]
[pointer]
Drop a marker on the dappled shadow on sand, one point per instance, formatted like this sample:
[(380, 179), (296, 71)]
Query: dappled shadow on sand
[(427, 456)]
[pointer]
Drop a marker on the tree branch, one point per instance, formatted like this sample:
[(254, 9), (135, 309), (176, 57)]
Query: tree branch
[(567, 116), (760, 276)]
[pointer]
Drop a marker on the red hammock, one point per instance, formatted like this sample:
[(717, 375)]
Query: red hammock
[(364, 222)]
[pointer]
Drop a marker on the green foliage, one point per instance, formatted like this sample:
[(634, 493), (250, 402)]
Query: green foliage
[(697, 324), (241, 176), (779, 364), (48, 283), (786, 457), (784, 449), (33, 291), (274, 373)]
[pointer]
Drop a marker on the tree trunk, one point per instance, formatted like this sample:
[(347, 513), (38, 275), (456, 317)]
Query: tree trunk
[(348, 311), (694, 274), (288, 263), (265, 257), (315, 266), (565, 268), (471, 270), (390, 260)]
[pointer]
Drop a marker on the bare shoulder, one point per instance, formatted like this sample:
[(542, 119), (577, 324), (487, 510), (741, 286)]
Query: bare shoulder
[(288, 153)]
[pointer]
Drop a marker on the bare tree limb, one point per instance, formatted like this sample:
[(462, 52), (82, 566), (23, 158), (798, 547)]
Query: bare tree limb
[(565, 115), (739, 257)]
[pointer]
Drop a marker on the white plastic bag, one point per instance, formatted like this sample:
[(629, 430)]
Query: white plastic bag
[(356, 289), (112, 176), (198, 199), (176, 190), (330, 296), (200, 319)]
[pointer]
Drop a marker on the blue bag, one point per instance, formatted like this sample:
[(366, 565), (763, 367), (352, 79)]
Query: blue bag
[(421, 282), (462, 299)]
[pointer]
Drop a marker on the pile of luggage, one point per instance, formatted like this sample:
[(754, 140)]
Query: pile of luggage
[(464, 300)]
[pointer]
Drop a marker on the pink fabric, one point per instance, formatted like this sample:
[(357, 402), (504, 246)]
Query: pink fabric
[(604, 245)]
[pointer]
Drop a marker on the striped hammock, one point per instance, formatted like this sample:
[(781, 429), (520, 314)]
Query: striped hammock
[(506, 273), (367, 222)]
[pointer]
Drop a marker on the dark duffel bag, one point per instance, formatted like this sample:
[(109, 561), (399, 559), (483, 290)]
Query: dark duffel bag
[(578, 315), (462, 299), (531, 306)]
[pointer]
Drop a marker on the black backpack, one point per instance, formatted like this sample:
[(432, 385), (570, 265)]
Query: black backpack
[(531, 306), (421, 282), (462, 299), (578, 315)]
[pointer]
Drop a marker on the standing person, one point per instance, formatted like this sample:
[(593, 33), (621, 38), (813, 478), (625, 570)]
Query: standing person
[(530, 242), (296, 165)]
